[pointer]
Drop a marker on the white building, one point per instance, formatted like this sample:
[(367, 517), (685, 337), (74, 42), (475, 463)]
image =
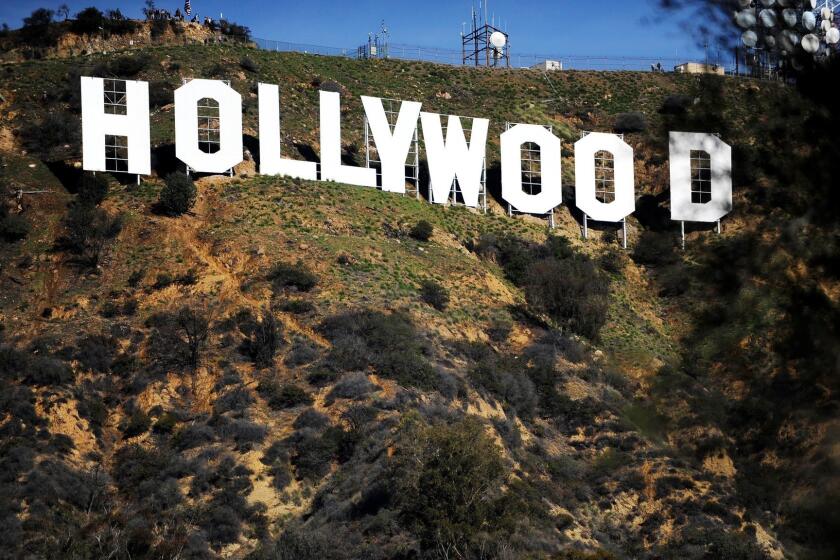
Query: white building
[(699, 68), (548, 65)]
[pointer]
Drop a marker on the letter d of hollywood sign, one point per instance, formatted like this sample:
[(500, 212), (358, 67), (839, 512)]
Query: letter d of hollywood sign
[(700, 164)]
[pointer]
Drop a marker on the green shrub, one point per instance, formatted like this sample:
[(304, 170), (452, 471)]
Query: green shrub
[(434, 294), (178, 194), (264, 340), (422, 231), (630, 122), (92, 189), (285, 395), (137, 424), (499, 329), (88, 231), (388, 342), (89, 21), (572, 291), (446, 484), (506, 379), (655, 249), (38, 29), (165, 424), (298, 276), (160, 94), (247, 64), (297, 306), (13, 227), (159, 27), (54, 136), (612, 261)]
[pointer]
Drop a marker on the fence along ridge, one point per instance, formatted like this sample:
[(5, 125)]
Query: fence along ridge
[(452, 57)]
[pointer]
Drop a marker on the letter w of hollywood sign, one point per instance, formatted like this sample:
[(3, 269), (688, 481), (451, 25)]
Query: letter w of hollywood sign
[(449, 156)]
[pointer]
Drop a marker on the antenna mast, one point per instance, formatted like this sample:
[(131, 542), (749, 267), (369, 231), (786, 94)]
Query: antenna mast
[(485, 44)]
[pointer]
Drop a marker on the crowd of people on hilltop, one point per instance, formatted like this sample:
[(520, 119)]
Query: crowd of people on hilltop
[(153, 14)]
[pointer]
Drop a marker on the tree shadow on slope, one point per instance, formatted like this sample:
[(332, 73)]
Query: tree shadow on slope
[(761, 359)]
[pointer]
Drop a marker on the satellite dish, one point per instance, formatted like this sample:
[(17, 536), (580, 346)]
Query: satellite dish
[(498, 39), (744, 3), (809, 21), (825, 25), (768, 18), (832, 36), (790, 17), (745, 18), (812, 4), (811, 43), (825, 14), (749, 38), (770, 41), (767, 3)]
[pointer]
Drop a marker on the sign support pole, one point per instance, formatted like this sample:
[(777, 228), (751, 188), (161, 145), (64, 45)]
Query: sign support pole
[(624, 233)]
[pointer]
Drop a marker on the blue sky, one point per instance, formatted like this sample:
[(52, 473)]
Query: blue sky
[(562, 27)]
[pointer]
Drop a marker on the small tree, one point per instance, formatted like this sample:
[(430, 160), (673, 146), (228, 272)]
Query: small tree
[(37, 29), (284, 275), (194, 327), (178, 195), (63, 11), (265, 339), (88, 231), (422, 231), (88, 22)]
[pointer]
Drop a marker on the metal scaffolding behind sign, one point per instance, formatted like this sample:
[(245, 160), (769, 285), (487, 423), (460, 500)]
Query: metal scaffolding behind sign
[(116, 147), (209, 126), (412, 163), (456, 197), (605, 186), (530, 158)]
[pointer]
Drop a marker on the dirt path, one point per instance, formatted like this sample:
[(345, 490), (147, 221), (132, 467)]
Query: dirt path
[(220, 275)]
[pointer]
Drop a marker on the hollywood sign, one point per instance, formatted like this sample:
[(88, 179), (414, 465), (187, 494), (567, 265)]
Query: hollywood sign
[(700, 164)]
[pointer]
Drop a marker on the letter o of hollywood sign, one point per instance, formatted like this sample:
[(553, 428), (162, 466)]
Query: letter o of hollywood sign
[(585, 199), (551, 194), (186, 126)]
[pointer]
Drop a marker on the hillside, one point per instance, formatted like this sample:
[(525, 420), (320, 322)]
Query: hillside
[(290, 370)]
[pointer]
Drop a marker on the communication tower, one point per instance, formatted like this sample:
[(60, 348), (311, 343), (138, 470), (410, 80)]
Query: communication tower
[(377, 45), (485, 44)]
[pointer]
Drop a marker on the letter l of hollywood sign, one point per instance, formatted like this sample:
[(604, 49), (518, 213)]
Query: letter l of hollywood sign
[(449, 158)]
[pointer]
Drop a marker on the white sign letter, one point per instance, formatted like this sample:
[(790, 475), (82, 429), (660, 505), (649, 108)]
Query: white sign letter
[(452, 158), (622, 182), (551, 179), (331, 166), (134, 125), (701, 177), (186, 126), (270, 161), (392, 147)]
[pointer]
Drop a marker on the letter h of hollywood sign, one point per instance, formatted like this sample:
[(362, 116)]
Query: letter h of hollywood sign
[(695, 158)]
